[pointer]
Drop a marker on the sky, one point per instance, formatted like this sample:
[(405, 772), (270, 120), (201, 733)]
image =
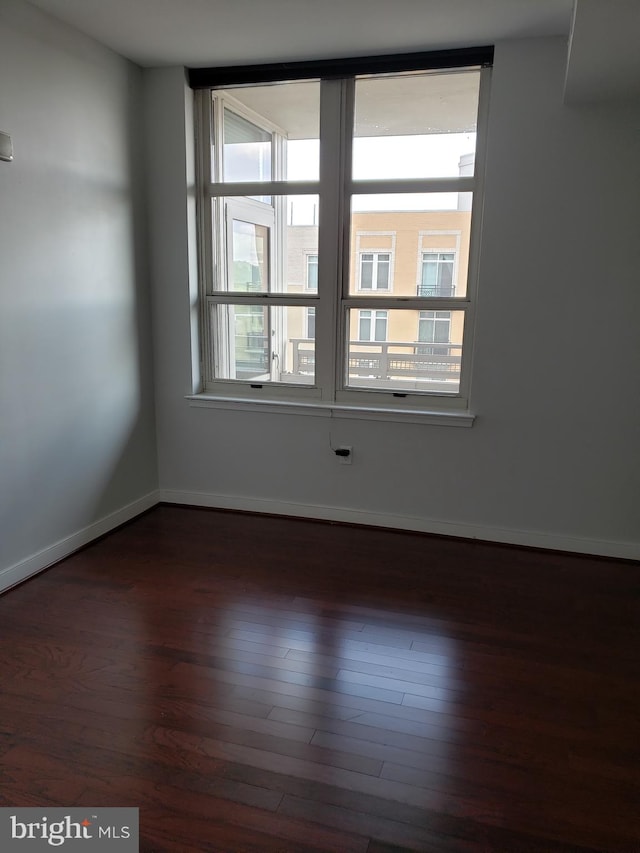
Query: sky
[(384, 157), (374, 158)]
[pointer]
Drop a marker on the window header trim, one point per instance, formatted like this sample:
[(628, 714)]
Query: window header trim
[(238, 75)]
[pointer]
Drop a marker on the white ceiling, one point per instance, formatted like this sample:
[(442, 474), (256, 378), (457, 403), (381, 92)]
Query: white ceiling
[(604, 59), (230, 32)]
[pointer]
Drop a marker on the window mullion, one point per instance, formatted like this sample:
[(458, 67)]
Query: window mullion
[(207, 253), (226, 297), (412, 185), (475, 236), (332, 223), (346, 159), (261, 188), (415, 303)]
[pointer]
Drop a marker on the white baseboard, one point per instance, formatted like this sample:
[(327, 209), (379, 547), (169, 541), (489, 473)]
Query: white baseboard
[(48, 556), (527, 538)]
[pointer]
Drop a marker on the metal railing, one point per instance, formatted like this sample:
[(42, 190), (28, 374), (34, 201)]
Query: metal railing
[(439, 290), (387, 360)]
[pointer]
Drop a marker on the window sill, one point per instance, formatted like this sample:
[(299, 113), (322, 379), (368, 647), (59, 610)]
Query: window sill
[(334, 410)]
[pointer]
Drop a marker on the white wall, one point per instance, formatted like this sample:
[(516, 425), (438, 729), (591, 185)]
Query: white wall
[(552, 459), (77, 439)]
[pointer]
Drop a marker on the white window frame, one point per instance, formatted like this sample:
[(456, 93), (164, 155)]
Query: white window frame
[(333, 302)]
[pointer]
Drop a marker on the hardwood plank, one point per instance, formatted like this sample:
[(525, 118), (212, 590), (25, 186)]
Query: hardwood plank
[(542, 682), (378, 700), (128, 776), (398, 692), (32, 779), (174, 816), (416, 817), (353, 730), (295, 683), (472, 753), (370, 825), (306, 634), (335, 706), (407, 669), (579, 817), (514, 842)]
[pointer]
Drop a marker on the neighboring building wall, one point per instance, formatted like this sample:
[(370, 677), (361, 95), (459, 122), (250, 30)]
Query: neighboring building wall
[(402, 235), (302, 241), (406, 235)]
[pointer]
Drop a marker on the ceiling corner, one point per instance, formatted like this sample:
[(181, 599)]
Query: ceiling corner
[(603, 62)]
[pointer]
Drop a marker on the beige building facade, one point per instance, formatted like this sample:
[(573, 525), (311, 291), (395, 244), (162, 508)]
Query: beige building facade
[(393, 254)]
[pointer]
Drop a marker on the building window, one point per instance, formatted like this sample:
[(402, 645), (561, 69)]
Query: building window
[(311, 323), (434, 327), (437, 274), (372, 326), (375, 270), (281, 237), (312, 272)]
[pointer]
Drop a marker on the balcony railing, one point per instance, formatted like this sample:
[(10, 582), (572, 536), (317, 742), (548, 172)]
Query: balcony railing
[(444, 291), (252, 355), (389, 360)]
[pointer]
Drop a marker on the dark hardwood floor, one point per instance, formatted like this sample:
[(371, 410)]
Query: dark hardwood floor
[(264, 684)]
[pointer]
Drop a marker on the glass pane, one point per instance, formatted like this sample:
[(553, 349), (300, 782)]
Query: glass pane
[(266, 248), (258, 343), (249, 262), (364, 326), (381, 326), (366, 272), (382, 272), (250, 341), (434, 326), (410, 351), (429, 276), (437, 274), (312, 272), (311, 323), (416, 125), (281, 142), (297, 270), (247, 150), (409, 245)]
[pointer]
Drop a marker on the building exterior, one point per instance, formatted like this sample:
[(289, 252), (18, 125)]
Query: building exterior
[(399, 253)]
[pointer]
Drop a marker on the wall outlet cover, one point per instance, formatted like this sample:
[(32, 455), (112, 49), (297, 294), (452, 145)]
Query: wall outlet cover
[(6, 147)]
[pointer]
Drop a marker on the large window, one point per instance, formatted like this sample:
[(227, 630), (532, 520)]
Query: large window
[(316, 196)]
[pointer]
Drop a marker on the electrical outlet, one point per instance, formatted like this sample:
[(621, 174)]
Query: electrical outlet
[(345, 459)]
